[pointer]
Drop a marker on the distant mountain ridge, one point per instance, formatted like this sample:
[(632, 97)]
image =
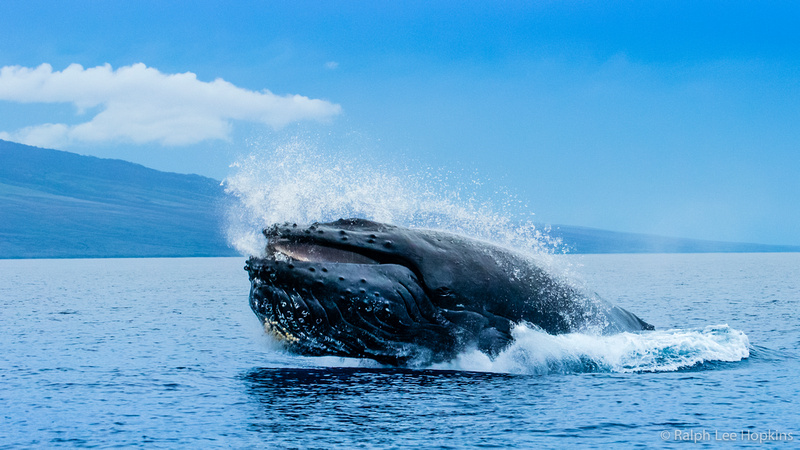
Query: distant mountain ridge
[(56, 204), (591, 240)]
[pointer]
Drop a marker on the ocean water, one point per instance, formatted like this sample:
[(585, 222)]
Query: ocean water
[(165, 353)]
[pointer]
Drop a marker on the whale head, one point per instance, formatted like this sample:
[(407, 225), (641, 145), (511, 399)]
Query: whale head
[(365, 289)]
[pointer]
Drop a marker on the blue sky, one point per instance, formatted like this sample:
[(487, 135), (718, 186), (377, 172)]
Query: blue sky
[(673, 118)]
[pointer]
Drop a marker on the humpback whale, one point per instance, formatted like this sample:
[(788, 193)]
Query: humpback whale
[(401, 296)]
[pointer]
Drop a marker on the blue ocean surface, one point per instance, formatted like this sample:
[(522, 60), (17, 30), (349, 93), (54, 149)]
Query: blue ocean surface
[(165, 353)]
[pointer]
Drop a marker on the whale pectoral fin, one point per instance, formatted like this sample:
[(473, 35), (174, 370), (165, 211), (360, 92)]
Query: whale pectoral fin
[(492, 341), (475, 330)]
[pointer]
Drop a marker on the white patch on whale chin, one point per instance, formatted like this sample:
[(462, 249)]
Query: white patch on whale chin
[(273, 329)]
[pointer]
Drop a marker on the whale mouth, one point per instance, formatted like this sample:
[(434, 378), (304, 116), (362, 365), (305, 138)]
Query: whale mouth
[(342, 299), (284, 249)]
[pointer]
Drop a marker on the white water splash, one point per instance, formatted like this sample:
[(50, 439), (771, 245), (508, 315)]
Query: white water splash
[(536, 352), (294, 182)]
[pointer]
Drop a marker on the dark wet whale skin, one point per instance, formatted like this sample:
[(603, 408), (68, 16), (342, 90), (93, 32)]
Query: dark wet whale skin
[(412, 296)]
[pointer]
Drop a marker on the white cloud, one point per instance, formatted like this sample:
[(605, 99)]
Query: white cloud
[(331, 65), (140, 104)]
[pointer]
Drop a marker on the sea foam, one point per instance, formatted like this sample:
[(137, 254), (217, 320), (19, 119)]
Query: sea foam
[(536, 352)]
